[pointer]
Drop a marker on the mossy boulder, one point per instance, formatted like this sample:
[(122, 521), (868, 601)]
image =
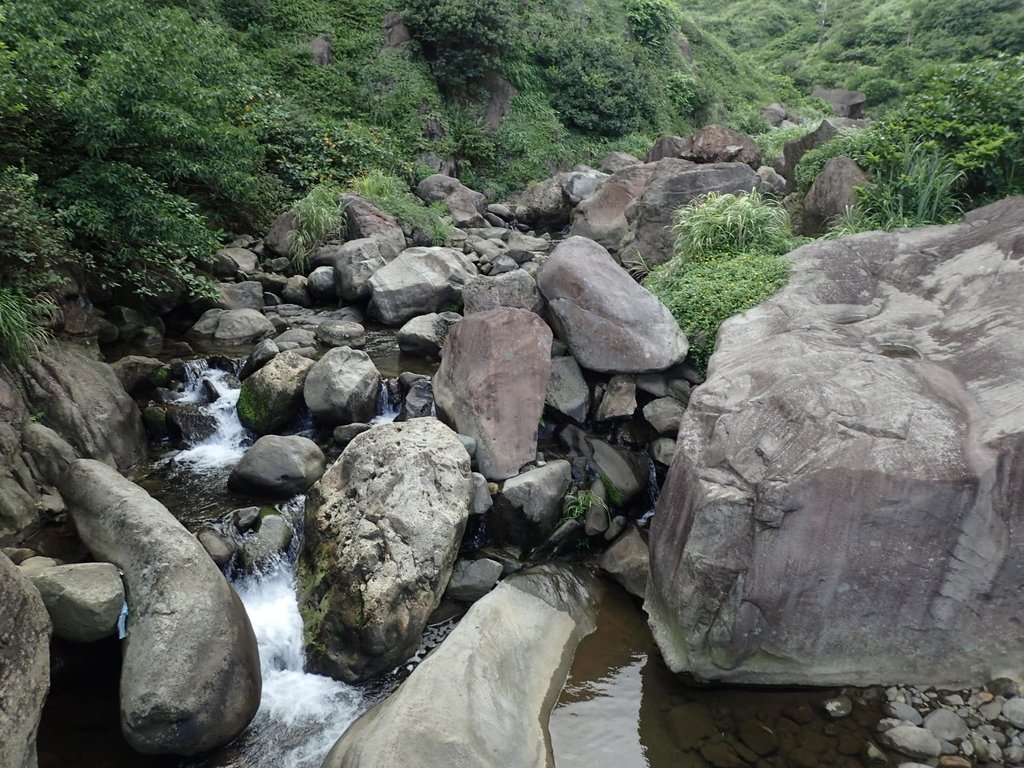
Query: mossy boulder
[(272, 396)]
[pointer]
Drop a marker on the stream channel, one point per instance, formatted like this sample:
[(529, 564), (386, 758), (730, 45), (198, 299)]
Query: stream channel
[(620, 706)]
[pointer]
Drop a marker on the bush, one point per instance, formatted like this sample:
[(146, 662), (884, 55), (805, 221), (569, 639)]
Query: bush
[(321, 214), (391, 194), (652, 21), (22, 332), (728, 258)]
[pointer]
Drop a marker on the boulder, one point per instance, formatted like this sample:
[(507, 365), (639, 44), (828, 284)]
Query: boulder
[(323, 285), (609, 322), (664, 415), (364, 219), (614, 162), (279, 466), (483, 697), (190, 677), (271, 539), (232, 326), (527, 508), (833, 191), (296, 291), (617, 469), (720, 144), (568, 392), (544, 205), (465, 205), (619, 399), (417, 282), (218, 546), (628, 562), (24, 666), (81, 399), (580, 185), (839, 505), (491, 385), (846, 103), (272, 396), (773, 114), (602, 216), (793, 151), (241, 259), (668, 146), (341, 333), (136, 372), (261, 354), (425, 335), (278, 239), (383, 527), (355, 262), (84, 600), (245, 295), (673, 184), (342, 387), (513, 289), (472, 579)]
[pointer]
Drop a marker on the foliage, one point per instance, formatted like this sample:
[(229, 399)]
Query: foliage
[(652, 21), (392, 195), (772, 142), (727, 260), (321, 214), (31, 243), (578, 503), (22, 318)]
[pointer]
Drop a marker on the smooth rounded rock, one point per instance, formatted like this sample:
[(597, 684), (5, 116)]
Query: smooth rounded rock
[(84, 600), (272, 396), (279, 466), (342, 387)]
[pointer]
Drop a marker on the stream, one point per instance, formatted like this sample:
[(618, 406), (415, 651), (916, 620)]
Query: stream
[(620, 707)]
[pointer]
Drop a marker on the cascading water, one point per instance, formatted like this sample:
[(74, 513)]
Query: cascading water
[(386, 410)]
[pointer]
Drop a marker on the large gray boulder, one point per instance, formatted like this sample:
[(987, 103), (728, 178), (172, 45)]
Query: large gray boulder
[(419, 281), (511, 289), (383, 527), (721, 144), (609, 322), (568, 392), (82, 399), (465, 205), (272, 396), (278, 465), (24, 666), (675, 183), (841, 503), (190, 678), (232, 326), (602, 216), (484, 696), (491, 385), (544, 205), (425, 335), (342, 387), (527, 508), (833, 191), (84, 600)]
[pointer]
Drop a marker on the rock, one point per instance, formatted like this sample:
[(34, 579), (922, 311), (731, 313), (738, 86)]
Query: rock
[(663, 450), (668, 146), (472, 579), (502, 211), (481, 501), (528, 507), (483, 697), (245, 518), (261, 354), (232, 326), (793, 151), (613, 465), (512, 289), (272, 396), (341, 333), (664, 415), (396, 33), (419, 402), (303, 337), (322, 285), (355, 262), (567, 392), (278, 239), (278, 466), (580, 185), (614, 162), (419, 281), (245, 295), (1003, 686), (911, 740), (425, 335), (24, 665), (82, 400), (1013, 711), (272, 537), (491, 384), (609, 322), (383, 528), (34, 565), (190, 423), (190, 679), (544, 205), (902, 711), (771, 182), (342, 387), (217, 546), (893, 361), (837, 707), (602, 216), (773, 114), (673, 184), (344, 434), (758, 737), (296, 291), (719, 144), (84, 600), (946, 725), (241, 260), (845, 103), (619, 400), (628, 562), (833, 191), (465, 205), (503, 265), (136, 372)]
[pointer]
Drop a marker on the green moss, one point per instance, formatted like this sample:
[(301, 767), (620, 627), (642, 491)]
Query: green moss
[(253, 408), (615, 496)]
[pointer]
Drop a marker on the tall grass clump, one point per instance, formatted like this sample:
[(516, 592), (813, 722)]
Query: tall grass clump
[(22, 330), (321, 214), (391, 194), (728, 258)]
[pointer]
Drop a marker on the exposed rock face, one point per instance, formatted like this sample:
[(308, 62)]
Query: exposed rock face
[(609, 322), (841, 504), (720, 144), (483, 697), (24, 666), (190, 680), (832, 192), (278, 465), (675, 183), (84, 600), (383, 528), (419, 281), (83, 400), (512, 289), (602, 217), (342, 387), (491, 385), (544, 205), (272, 396), (465, 205)]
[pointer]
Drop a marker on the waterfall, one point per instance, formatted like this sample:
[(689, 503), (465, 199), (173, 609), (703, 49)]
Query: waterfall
[(224, 448), (386, 410)]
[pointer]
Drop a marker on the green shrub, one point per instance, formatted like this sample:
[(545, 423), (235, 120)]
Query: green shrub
[(728, 258), (321, 214), (772, 142), (22, 331), (652, 21), (391, 194)]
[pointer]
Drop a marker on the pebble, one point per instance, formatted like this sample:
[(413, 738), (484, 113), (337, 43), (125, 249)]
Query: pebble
[(902, 711), (840, 706), (1013, 711), (946, 725), (912, 740)]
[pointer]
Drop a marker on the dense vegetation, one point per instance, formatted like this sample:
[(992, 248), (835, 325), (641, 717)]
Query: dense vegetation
[(137, 135)]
